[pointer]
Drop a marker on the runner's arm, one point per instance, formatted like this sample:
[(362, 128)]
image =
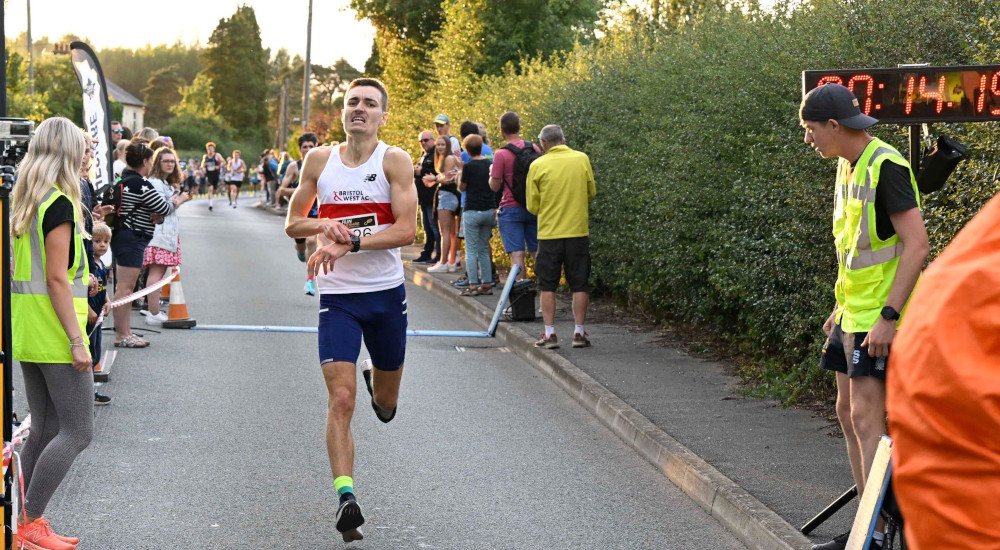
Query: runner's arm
[(403, 196), (298, 224), (291, 173)]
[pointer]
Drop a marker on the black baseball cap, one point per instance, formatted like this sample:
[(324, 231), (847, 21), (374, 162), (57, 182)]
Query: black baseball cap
[(837, 102)]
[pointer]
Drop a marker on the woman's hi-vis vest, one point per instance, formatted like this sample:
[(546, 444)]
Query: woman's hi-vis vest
[(866, 264), (38, 335)]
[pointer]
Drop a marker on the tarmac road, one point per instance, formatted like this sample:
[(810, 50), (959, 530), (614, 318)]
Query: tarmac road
[(214, 440)]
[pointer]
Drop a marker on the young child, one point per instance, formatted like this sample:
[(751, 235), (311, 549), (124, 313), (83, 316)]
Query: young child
[(99, 302)]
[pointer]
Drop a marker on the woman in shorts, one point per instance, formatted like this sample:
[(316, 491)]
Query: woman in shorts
[(164, 250), (447, 166)]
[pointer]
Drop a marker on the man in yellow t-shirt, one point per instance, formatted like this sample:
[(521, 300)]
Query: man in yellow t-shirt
[(560, 187)]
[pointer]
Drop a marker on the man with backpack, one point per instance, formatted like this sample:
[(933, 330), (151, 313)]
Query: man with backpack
[(518, 227)]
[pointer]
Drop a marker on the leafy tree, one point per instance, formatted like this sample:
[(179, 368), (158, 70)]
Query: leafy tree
[(55, 76), (131, 69), (19, 102), (196, 99), (480, 37), (237, 64), (373, 67), (162, 92), (404, 39), (331, 82)]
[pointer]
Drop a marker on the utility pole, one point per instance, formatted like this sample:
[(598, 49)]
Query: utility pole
[(31, 56), (305, 83)]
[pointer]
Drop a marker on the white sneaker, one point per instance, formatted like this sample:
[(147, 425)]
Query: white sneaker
[(439, 268), (452, 268), (156, 320)]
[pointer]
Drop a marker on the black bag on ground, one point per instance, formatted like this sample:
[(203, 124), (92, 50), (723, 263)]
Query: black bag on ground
[(939, 163), (523, 158), (522, 300)]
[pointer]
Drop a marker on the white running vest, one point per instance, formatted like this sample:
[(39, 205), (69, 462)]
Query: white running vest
[(358, 198)]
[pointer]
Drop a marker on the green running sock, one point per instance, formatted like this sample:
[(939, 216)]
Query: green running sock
[(344, 484)]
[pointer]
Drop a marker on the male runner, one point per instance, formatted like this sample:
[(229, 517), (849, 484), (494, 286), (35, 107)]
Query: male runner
[(304, 247), (367, 210), (211, 163)]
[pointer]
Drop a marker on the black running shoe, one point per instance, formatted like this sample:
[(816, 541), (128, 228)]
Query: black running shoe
[(366, 372), (349, 518), (101, 399)]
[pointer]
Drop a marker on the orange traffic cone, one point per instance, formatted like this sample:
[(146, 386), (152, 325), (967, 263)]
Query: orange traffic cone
[(178, 314)]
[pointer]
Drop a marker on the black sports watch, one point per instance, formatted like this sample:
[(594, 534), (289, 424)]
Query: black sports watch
[(356, 246), (890, 314)]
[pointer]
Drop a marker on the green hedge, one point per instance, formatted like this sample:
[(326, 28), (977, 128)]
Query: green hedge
[(711, 210)]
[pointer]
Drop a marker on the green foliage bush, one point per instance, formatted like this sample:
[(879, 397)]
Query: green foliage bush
[(710, 209)]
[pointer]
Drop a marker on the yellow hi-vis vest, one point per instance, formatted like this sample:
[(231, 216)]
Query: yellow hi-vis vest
[(38, 335), (866, 264)]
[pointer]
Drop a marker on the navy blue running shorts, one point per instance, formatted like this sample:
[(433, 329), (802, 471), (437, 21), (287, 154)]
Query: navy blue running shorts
[(380, 317)]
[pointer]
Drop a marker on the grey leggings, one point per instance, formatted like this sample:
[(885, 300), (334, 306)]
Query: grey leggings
[(61, 401)]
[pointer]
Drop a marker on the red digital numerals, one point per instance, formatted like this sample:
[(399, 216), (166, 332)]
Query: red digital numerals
[(869, 90), (994, 90)]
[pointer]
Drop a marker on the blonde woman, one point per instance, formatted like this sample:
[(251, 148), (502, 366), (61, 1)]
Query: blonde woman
[(447, 166), (119, 165), (49, 316), (164, 250)]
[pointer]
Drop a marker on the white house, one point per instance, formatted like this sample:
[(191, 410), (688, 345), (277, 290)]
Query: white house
[(133, 109)]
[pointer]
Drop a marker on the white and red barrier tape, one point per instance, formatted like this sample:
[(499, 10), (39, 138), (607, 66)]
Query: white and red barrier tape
[(136, 295)]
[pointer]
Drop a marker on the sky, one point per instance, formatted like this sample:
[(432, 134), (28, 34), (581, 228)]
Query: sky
[(336, 31)]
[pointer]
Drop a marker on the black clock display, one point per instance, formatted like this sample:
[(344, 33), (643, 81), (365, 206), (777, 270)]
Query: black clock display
[(915, 95)]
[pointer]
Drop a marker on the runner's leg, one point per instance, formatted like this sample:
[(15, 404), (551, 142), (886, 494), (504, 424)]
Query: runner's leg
[(341, 386)]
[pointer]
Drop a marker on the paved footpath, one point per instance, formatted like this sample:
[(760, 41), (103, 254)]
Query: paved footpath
[(214, 439), (761, 469)]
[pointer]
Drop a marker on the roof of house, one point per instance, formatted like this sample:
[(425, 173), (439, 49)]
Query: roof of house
[(119, 94)]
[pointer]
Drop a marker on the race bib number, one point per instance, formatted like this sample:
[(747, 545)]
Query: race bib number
[(362, 226), (210, 165)]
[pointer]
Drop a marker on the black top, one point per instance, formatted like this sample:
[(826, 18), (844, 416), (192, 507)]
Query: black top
[(140, 200), (894, 194), (425, 195), (476, 177), (58, 213)]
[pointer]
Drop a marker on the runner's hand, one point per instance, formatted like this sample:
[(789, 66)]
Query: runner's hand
[(336, 232), (321, 262), (81, 359), (879, 338)]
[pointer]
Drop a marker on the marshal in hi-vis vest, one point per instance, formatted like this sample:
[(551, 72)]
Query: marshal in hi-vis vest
[(866, 264), (38, 336)]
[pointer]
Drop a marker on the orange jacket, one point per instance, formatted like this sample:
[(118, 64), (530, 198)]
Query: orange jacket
[(944, 395)]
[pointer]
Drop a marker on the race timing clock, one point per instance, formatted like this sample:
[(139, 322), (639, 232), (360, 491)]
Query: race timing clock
[(919, 94)]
